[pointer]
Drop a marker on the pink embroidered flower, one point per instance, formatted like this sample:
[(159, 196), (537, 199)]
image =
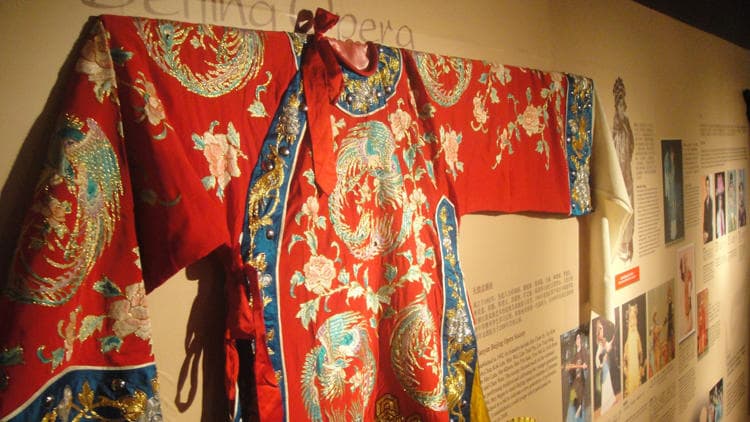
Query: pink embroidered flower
[(311, 207), (531, 120), (480, 112), (319, 274), (131, 314), (450, 140), (400, 122), (153, 108), (96, 62), (221, 156)]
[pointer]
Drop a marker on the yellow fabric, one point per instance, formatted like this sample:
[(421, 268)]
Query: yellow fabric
[(478, 412)]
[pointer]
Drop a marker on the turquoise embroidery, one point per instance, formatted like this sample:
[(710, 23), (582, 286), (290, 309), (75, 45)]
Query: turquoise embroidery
[(434, 71), (90, 174), (368, 151), (342, 363), (239, 54)]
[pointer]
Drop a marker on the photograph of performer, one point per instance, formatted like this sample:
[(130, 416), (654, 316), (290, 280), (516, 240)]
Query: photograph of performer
[(660, 351), (607, 387), (708, 211), (674, 224), (720, 219), (576, 379), (731, 195), (634, 347), (685, 292)]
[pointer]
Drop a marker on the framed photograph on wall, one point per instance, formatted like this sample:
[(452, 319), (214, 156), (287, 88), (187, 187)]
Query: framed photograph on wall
[(671, 166)]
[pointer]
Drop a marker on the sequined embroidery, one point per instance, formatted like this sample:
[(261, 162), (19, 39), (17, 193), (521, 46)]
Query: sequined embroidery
[(459, 340), (343, 362), (128, 314), (367, 152), (364, 95), (579, 138), (239, 54), (414, 349), (445, 78), (123, 394), (265, 204), (87, 186)]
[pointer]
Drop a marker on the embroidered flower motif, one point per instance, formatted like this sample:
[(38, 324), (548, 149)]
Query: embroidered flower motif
[(450, 140), (556, 81), (531, 120), (501, 73), (96, 62), (222, 159), (417, 198), (222, 152), (153, 108), (400, 122), (131, 314), (480, 112), (319, 274), (311, 207), (336, 126)]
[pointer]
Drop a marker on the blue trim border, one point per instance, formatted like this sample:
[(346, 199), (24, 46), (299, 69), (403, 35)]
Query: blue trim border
[(579, 136), (265, 241), (109, 387), (460, 351), (364, 95)]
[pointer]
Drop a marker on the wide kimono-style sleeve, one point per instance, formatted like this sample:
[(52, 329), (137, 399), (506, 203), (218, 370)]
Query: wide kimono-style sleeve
[(148, 172), (76, 336), (508, 139)]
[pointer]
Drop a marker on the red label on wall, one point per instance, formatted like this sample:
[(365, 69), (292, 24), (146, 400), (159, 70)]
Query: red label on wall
[(627, 277)]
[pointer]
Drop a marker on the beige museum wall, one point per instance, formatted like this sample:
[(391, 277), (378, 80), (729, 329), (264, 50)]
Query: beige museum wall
[(677, 78)]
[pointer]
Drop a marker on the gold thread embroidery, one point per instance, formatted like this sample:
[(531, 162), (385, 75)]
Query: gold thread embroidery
[(90, 406), (414, 346), (239, 54), (460, 351), (259, 210), (89, 172), (387, 410)]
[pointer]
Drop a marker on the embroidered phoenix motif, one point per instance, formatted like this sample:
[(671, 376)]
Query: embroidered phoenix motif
[(87, 186)]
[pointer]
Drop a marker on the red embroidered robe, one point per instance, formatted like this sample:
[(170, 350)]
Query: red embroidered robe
[(332, 195)]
